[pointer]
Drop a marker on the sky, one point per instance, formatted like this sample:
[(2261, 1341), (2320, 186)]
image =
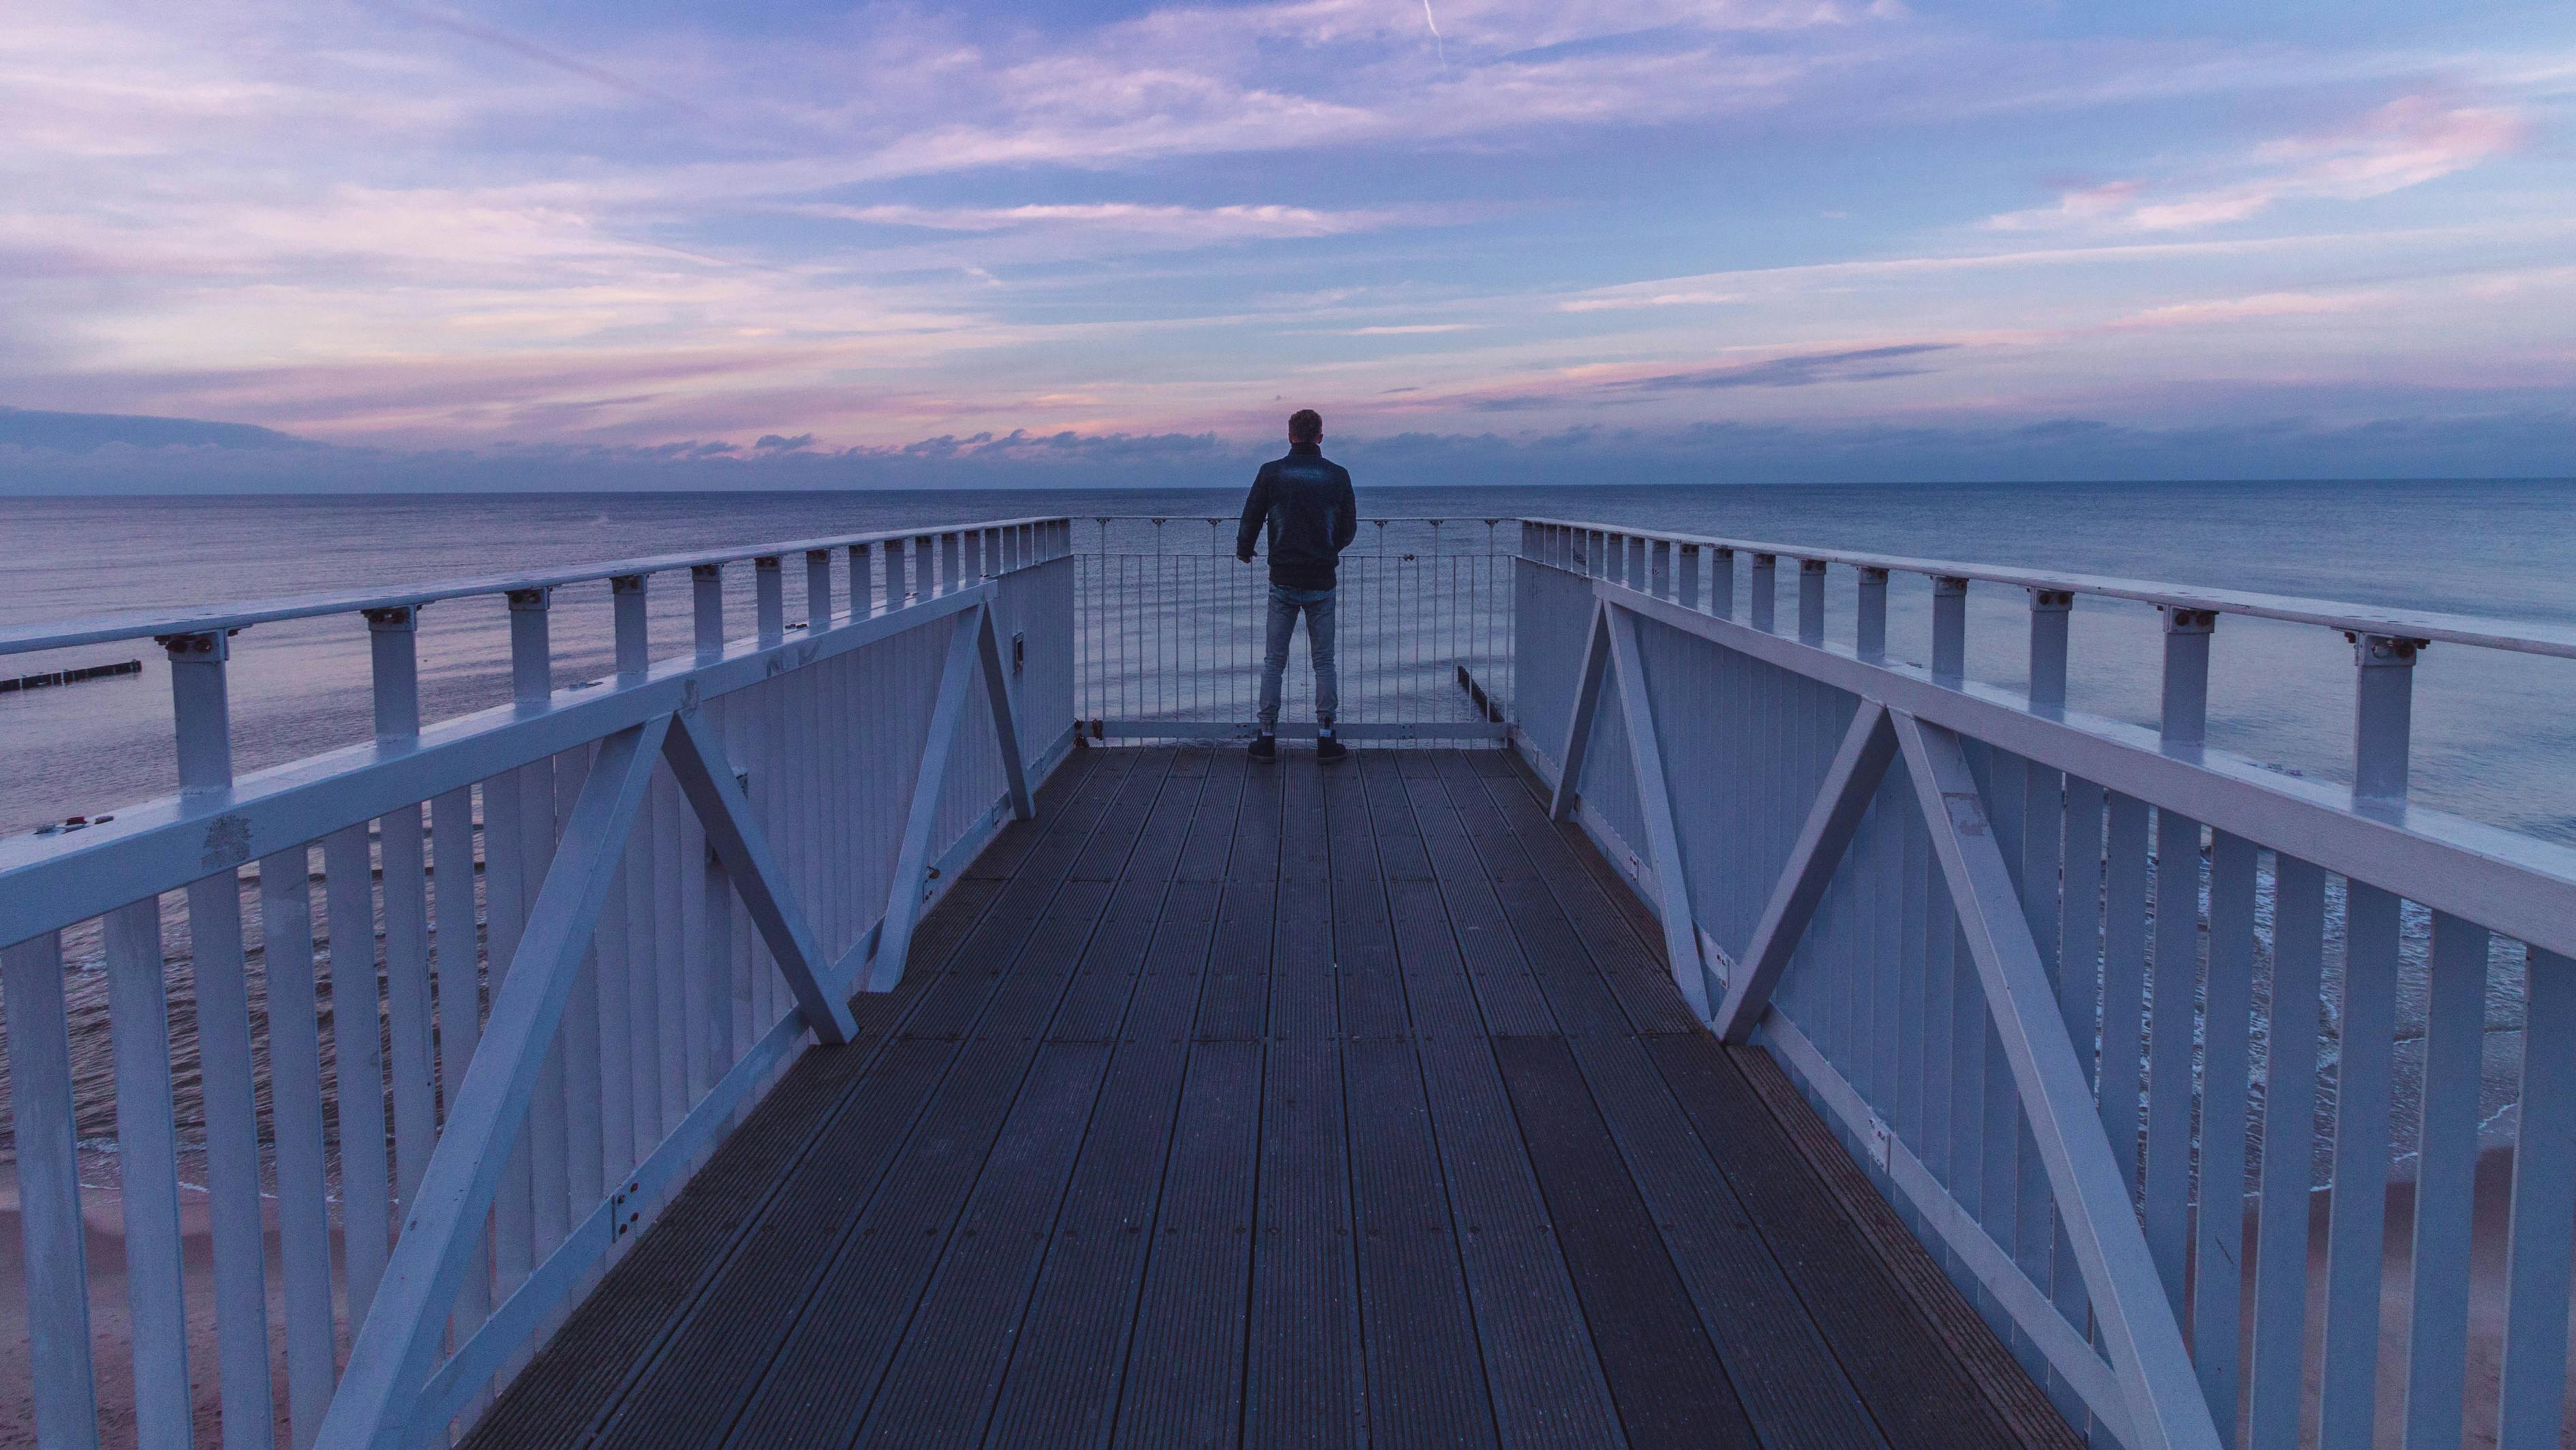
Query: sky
[(307, 243)]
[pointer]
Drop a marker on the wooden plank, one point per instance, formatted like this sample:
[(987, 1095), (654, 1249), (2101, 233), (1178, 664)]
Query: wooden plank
[(826, 1355), (1663, 1373), (1541, 1370), (1783, 1373), (678, 1275), (1062, 1385), (1184, 1379)]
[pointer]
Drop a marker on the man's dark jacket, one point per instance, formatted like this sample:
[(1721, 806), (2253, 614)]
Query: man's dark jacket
[(1306, 499)]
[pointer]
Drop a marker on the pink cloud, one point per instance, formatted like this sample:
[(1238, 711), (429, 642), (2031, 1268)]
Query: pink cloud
[(2407, 142)]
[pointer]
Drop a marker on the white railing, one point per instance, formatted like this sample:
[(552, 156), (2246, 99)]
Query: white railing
[(1173, 632), (588, 929), (2057, 980)]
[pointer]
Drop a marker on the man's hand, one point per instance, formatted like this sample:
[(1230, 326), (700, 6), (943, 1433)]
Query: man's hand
[(1245, 557)]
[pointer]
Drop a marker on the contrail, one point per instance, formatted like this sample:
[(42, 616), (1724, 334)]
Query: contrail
[(1437, 43), (458, 25)]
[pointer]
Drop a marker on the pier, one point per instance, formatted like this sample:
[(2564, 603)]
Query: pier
[(894, 1011)]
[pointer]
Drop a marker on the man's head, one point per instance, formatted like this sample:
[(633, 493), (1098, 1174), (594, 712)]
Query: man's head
[(1305, 426)]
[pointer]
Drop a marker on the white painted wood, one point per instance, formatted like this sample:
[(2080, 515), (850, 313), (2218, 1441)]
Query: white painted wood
[(366, 1211), (617, 1220), (2218, 1227), (389, 1362), (49, 1215), (2543, 1216), (232, 1161), (912, 857), (1006, 725), (1578, 727), (460, 999), (1655, 801), (2065, 1348), (2356, 1217), (411, 1059), (296, 1100), (752, 869), (53, 881), (147, 1160), (2277, 1381), (2518, 886), (1860, 763), (2139, 1327), (2446, 1165)]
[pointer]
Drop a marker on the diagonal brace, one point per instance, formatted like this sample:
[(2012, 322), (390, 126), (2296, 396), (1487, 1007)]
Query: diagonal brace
[(1006, 728), (912, 857), (1655, 803), (391, 1356), (1849, 785), (2167, 1409), (698, 762), (1587, 703)]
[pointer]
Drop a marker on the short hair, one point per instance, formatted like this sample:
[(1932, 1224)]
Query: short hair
[(1305, 426)]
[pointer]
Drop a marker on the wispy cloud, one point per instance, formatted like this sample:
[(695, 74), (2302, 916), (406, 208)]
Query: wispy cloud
[(2404, 143)]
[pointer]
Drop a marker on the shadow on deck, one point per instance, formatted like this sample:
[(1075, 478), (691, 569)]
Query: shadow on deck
[(1279, 1106)]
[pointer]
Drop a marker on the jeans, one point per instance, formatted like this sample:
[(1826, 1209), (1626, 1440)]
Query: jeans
[(1285, 605)]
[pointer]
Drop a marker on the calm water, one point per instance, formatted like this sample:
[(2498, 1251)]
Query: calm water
[(2495, 734)]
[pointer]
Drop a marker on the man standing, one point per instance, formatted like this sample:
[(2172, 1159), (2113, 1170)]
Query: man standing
[(1306, 500)]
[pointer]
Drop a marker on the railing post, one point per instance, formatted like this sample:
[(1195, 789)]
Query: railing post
[(2050, 612), (818, 591), (1721, 583), (393, 640), (201, 706), (949, 565), (201, 702), (706, 602), (1811, 601), (2383, 720), (1766, 586), (1870, 623), (922, 581), (862, 586), (769, 598), (1686, 582), (2185, 715), (1660, 571), (1635, 561), (531, 654), (1949, 629), (634, 641)]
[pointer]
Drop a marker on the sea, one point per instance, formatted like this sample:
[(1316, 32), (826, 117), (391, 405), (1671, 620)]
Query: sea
[(2494, 732)]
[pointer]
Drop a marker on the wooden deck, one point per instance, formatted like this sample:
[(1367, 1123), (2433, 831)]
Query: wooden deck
[(1279, 1106)]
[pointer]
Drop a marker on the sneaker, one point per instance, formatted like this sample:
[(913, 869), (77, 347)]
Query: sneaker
[(1265, 749), (1328, 748)]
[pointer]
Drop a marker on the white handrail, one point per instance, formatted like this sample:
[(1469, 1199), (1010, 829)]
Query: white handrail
[(2520, 636)]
